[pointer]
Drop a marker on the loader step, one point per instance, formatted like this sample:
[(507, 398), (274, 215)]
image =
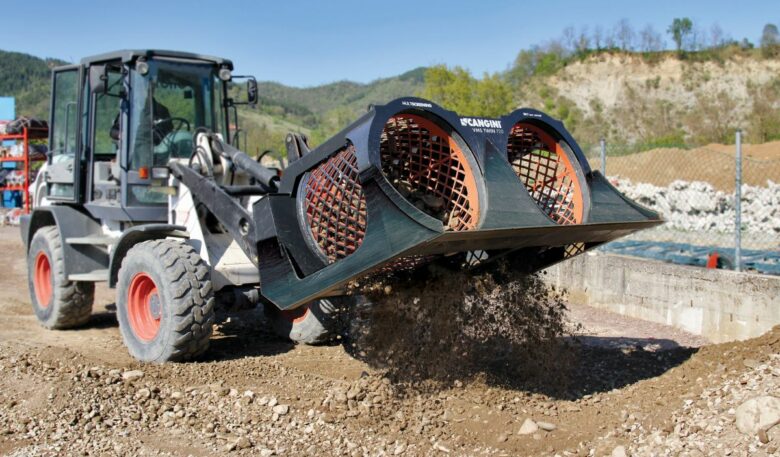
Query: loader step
[(92, 276), (92, 240)]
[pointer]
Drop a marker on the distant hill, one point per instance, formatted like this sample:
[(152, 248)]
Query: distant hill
[(659, 99), (302, 102), (316, 111), (322, 110), (27, 78)]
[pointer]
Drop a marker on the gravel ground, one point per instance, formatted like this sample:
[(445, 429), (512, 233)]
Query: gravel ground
[(621, 387)]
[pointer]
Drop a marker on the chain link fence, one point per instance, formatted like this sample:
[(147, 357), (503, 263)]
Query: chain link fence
[(695, 189)]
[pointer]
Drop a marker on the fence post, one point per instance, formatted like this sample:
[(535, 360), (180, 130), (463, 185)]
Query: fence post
[(738, 206), (603, 144)]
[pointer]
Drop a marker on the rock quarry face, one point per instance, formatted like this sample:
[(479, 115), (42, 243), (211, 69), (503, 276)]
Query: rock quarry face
[(697, 206)]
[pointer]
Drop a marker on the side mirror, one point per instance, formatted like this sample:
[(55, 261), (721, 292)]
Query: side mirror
[(98, 79), (251, 91)]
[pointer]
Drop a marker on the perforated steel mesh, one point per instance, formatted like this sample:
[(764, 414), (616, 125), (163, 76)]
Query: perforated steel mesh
[(547, 173), (428, 168), (335, 206)]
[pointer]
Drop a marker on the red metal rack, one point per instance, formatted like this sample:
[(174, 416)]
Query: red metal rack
[(26, 135)]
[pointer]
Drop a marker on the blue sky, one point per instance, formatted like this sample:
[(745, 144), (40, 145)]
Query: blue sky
[(305, 43)]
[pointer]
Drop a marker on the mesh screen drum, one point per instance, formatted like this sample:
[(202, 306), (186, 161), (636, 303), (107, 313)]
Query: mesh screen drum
[(548, 173), (429, 169), (335, 206)]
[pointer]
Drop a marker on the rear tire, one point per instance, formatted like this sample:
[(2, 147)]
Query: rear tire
[(165, 304), (315, 323), (58, 303)]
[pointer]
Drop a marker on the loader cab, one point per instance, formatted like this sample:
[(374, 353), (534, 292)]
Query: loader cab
[(118, 119)]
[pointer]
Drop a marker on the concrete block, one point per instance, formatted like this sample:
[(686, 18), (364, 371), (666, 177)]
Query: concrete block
[(720, 305)]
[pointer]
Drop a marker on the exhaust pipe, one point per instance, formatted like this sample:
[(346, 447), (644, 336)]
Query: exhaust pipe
[(410, 180)]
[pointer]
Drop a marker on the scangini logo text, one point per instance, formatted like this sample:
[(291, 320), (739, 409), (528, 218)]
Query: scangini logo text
[(486, 123)]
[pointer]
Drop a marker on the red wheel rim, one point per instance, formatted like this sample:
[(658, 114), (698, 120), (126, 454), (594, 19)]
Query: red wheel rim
[(42, 280), (296, 315), (144, 307)]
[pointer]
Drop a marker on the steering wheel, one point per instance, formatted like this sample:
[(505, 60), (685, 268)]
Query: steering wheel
[(176, 124)]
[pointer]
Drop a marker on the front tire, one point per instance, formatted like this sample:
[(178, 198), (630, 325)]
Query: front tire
[(165, 304), (58, 303), (315, 323)]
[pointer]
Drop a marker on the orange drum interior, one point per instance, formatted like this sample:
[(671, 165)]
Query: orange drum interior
[(547, 172), (429, 169), (335, 206)]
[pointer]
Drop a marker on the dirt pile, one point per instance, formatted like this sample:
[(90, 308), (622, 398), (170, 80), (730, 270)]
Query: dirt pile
[(706, 423), (714, 164), (78, 409), (695, 409)]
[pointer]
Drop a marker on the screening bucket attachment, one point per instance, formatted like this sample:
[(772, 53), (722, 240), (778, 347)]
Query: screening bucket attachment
[(410, 182)]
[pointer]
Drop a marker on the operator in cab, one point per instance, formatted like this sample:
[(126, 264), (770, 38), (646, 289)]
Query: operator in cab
[(162, 125)]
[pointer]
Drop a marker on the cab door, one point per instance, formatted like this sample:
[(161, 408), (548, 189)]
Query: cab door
[(62, 174)]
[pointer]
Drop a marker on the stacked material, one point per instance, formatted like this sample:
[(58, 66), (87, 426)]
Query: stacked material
[(697, 206)]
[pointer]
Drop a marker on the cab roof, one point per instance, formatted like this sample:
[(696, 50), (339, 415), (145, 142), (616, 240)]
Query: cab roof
[(128, 55)]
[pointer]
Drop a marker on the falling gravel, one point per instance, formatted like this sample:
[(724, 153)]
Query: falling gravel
[(440, 326)]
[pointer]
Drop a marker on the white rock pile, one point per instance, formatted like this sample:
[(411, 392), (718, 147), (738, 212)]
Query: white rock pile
[(697, 206)]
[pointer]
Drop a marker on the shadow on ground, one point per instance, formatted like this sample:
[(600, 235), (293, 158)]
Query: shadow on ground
[(567, 369), (241, 334), (103, 319), (237, 334)]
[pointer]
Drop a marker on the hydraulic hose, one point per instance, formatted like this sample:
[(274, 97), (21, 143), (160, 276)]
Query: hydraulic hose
[(264, 175), (240, 159)]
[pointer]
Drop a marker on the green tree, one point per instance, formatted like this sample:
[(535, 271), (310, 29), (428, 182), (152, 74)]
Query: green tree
[(680, 29), (770, 40), (457, 90)]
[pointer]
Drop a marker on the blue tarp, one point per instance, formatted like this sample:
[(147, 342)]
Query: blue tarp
[(762, 261), (7, 111), (7, 108)]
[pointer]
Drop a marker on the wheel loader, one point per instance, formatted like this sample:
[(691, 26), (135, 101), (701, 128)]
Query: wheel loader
[(147, 189)]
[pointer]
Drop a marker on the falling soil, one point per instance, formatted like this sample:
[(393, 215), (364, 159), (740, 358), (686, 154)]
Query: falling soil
[(441, 326)]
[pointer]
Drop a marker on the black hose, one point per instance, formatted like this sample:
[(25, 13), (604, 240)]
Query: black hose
[(264, 175), (241, 160)]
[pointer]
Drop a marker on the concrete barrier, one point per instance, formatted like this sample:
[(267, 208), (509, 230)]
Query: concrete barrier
[(720, 305)]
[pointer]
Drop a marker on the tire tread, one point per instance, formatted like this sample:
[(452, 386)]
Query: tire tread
[(73, 299), (192, 306)]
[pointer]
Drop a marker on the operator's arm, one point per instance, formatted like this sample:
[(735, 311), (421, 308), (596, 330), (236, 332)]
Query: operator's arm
[(163, 125), (114, 132)]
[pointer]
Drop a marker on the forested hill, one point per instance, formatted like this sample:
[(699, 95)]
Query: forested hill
[(317, 111), (26, 78)]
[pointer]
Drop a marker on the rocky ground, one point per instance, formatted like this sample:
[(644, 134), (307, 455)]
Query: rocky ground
[(617, 387)]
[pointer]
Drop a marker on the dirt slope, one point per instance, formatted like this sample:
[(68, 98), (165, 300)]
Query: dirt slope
[(606, 79), (713, 163)]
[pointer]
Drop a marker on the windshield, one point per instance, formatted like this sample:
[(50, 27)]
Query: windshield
[(168, 104)]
